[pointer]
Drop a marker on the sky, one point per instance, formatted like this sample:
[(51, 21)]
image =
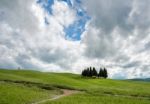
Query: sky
[(70, 35)]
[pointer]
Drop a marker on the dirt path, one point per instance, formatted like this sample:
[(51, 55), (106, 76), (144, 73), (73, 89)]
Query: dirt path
[(65, 93)]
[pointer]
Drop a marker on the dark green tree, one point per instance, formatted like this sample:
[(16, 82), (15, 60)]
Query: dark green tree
[(90, 72), (105, 73), (84, 72), (94, 72), (101, 73)]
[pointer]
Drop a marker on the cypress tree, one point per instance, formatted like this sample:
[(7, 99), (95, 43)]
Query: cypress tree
[(84, 72), (94, 72), (100, 72), (105, 73), (90, 73)]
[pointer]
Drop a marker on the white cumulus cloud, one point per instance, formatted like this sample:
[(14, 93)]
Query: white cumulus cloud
[(117, 36)]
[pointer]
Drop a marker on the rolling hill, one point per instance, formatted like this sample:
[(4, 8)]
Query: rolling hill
[(29, 87)]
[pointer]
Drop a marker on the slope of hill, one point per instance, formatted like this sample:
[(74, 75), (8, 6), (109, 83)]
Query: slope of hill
[(26, 87)]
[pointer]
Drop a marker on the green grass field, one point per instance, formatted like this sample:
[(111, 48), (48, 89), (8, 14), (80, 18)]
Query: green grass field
[(26, 87)]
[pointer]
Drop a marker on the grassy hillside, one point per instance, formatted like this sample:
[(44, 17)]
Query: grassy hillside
[(25, 87)]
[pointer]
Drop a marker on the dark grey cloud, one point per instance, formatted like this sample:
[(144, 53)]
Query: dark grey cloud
[(24, 61), (110, 13), (101, 47), (131, 64), (51, 55), (147, 46)]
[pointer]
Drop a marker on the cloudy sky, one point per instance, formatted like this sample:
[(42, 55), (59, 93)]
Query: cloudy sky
[(70, 35)]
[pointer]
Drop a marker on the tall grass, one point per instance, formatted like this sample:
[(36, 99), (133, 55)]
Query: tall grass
[(94, 91)]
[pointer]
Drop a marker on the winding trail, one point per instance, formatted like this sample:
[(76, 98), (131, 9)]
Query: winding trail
[(65, 93)]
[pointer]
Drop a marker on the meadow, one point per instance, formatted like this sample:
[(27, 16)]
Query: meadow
[(27, 87)]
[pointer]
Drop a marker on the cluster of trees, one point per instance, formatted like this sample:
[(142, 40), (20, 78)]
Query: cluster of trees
[(92, 72)]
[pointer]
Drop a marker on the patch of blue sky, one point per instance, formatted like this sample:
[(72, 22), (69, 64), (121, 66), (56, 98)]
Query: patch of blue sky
[(78, 1), (75, 30), (46, 4), (68, 2)]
